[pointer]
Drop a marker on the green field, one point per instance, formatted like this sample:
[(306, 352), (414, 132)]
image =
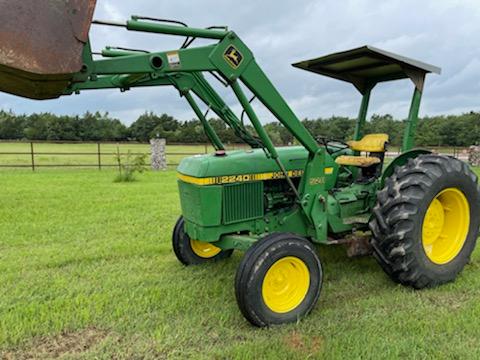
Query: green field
[(87, 271)]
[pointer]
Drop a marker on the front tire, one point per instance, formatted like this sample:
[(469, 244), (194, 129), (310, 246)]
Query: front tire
[(194, 252), (279, 280), (425, 224)]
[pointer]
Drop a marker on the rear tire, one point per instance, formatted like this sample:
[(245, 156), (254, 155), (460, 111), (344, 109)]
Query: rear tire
[(279, 280), (194, 252), (425, 224)]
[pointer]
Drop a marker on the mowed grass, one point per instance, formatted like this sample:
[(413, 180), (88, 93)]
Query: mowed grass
[(87, 271)]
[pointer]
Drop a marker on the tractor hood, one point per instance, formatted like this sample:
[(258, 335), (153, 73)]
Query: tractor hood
[(242, 162)]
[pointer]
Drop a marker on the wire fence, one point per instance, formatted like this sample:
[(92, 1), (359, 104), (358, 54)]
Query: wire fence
[(71, 154)]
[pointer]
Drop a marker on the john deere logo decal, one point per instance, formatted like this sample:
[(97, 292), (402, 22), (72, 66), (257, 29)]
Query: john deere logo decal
[(233, 57)]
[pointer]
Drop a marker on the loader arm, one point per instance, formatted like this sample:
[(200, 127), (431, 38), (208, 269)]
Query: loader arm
[(185, 83), (220, 58)]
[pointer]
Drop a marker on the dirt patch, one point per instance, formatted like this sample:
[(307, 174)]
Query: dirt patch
[(302, 344), (67, 343)]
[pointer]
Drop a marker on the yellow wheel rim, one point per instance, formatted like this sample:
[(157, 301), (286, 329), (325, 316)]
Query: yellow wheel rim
[(285, 284), (203, 249), (445, 226)]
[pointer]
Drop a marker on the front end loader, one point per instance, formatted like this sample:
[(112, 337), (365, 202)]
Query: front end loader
[(418, 214)]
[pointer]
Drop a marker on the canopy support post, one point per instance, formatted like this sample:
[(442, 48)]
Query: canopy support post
[(409, 135)]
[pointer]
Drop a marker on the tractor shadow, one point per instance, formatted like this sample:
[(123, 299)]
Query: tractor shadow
[(208, 289)]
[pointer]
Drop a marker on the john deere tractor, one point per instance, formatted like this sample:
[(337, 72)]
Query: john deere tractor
[(419, 213)]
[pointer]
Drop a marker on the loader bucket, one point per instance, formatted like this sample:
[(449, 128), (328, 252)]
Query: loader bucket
[(41, 45)]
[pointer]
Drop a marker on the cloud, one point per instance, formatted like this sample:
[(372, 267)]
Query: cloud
[(112, 11), (282, 32)]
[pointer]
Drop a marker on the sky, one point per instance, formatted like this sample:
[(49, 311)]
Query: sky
[(440, 32)]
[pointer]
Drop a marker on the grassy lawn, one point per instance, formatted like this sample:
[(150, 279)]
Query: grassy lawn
[(87, 271)]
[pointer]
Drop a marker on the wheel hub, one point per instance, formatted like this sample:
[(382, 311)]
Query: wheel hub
[(286, 284), (445, 226), (433, 223), (203, 249)]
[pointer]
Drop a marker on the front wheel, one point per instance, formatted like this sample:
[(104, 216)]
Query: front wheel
[(279, 280), (194, 252)]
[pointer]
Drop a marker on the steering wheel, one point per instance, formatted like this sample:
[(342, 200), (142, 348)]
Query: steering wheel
[(332, 143)]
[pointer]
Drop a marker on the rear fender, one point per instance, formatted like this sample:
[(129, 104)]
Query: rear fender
[(401, 160)]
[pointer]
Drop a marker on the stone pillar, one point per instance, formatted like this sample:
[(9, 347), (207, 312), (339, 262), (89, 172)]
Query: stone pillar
[(158, 157), (474, 155)]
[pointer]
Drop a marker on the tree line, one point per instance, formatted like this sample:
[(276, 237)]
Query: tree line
[(451, 130)]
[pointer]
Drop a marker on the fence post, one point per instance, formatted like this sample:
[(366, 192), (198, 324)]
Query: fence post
[(119, 160), (99, 156), (32, 154)]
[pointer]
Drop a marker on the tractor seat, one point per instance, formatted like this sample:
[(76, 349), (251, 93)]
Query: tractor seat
[(370, 143), (359, 161)]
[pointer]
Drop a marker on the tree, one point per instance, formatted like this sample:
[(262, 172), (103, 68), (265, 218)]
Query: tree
[(11, 126), (451, 130), (150, 125)]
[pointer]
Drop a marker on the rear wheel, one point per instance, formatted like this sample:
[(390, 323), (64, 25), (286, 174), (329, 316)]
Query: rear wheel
[(426, 221), (279, 280), (192, 252)]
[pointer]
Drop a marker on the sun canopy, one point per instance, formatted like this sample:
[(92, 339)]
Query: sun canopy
[(366, 66)]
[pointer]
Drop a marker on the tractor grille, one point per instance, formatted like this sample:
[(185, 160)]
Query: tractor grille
[(242, 202)]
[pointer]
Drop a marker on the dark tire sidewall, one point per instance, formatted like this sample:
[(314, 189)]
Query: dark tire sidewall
[(399, 215), (183, 249), (443, 272), (253, 272)]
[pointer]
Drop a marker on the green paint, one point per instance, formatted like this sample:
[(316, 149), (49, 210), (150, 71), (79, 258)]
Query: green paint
[(211, 134), (401, 160), (162, 28), (362, 116), (259, 84), (254, 119), (195, 201), (409, 135)]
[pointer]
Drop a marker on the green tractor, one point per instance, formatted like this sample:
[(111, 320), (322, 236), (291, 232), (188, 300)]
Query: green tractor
[(418, 214)]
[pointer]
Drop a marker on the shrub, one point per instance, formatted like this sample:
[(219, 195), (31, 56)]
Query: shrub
[(129, 165)]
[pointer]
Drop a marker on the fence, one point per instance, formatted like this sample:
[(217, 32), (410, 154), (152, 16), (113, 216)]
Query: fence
[(42, 154), (457, 152)]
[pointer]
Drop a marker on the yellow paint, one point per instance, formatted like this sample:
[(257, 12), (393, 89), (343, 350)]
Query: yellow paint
[(203, 249), (329, 171), (317, 181), (286, 284), (445, 226), (233, 57), (370, 143), (360, 161), (230, 179), (195, 180)]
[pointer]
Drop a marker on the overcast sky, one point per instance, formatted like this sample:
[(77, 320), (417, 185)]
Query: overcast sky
[(441, 32)]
